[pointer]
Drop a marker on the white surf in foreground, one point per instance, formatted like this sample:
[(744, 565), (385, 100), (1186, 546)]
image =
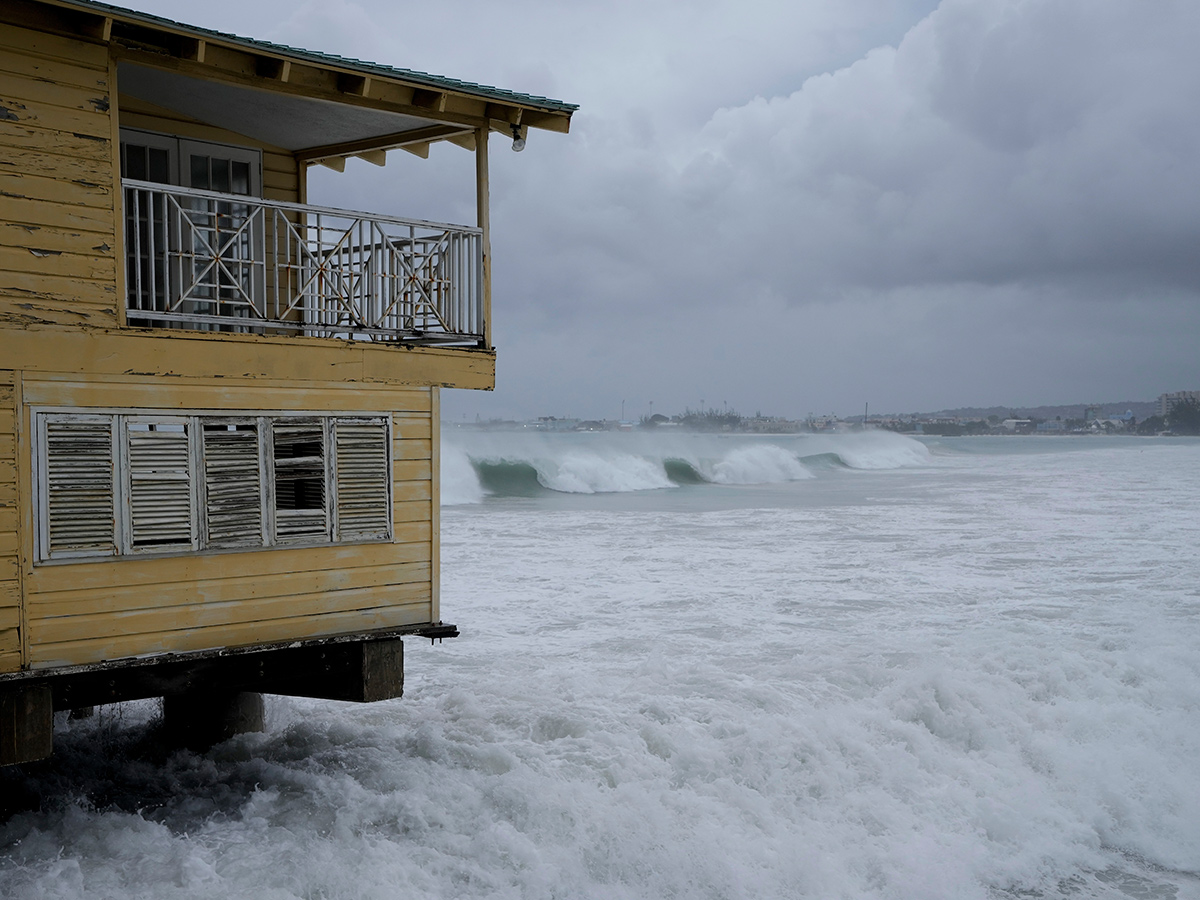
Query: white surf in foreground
[(977, 677)]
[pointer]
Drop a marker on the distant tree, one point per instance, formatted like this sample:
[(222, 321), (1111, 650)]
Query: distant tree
[(711, 420), (1184, 417), (1152, 425)]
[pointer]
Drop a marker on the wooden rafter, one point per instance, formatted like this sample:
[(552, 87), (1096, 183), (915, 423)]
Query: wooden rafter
[(211, 56), (402, 139)]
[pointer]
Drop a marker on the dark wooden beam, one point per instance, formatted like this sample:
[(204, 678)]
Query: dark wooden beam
[(358, 85), (434, 101), (26, 724), (383, 142)]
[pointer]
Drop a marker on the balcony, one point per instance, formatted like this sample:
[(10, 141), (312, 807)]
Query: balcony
[(206, 261)]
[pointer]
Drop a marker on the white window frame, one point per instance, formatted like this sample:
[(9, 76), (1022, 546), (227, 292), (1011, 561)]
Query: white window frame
[(41, 467), (180, 150), (118, 423), (264, 498)]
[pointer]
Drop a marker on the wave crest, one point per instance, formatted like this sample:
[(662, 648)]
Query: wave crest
[(519, 464), (759, 464)]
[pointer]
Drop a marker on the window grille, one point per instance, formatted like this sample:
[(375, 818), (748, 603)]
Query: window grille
[(137, 482)]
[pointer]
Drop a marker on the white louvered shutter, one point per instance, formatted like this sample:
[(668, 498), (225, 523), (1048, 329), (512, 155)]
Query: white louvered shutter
[(363, 479), (78, 480), (160, 484), (301, 510), (233, 484)]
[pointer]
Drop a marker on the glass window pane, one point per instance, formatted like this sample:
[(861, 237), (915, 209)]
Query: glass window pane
[(241, 178), (134, 158), (200, 177), (220, 175), (160, 165)]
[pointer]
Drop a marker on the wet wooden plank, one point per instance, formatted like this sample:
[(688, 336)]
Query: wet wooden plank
[(25, 42), (68, 191), (40, 261), (50, 164), (119, 599), (55, 71), (31, 211), (413, 449), (221, 394), (46, 654), (412, 490), (165, 571), (49, 97), (28, 138), (56, 239)]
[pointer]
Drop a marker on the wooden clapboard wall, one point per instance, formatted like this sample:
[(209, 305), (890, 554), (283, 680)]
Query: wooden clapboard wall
[(58, 177), (62, 347), (10, 587), (57, 180), (88, 611)]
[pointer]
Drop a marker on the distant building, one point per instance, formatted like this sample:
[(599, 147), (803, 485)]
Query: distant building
[(552, 423), (1166, 402)]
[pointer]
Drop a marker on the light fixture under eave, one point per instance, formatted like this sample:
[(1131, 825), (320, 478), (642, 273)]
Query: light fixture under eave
[(518, 141)]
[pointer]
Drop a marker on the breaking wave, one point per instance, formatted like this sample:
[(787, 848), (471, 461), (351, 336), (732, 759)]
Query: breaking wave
[(478, 464)]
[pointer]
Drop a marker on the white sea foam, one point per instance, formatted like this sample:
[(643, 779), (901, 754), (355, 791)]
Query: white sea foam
[(972, 681), (578, 472), (459, 480), (759, 464)]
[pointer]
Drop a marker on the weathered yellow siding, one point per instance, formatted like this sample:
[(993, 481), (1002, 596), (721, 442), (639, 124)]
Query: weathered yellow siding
[(232, 359), (83, 612), (10, 586), (63, 346), (57, 264)]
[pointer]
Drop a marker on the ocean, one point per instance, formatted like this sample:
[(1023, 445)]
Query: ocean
[(854, 665)]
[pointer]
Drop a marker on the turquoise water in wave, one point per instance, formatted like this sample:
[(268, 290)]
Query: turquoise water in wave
[(836, 666)]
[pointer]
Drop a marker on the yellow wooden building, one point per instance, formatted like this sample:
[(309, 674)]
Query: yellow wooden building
[(219, 404)]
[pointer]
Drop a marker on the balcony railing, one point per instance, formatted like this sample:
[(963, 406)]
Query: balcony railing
[(218, 262)]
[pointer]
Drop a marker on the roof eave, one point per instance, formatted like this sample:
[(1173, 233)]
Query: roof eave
[(505, 106)]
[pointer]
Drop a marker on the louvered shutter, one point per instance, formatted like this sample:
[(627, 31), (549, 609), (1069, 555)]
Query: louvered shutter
[(298, 450), (79, 518), (160, 483), (363, 479), (233, 484)]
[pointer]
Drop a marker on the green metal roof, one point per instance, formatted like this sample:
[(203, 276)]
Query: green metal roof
[(437, 82)]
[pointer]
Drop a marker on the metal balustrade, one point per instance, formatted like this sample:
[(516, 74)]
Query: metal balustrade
[(206, 261)]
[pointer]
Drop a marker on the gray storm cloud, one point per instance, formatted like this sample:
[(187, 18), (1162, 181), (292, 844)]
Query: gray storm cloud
[(1010, 189), (999, 143)]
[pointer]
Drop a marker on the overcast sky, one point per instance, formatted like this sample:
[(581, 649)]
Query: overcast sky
[(810, 205)]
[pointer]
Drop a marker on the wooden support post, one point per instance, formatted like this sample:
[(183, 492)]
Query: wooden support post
[(26, 724), (483, 220), (199, 718), (358, 671), (382, 670)]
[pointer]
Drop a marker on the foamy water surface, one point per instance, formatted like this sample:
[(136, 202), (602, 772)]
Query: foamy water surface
[(828, 667)]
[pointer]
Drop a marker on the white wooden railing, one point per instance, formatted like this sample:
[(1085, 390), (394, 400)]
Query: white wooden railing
[(219, 262)]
